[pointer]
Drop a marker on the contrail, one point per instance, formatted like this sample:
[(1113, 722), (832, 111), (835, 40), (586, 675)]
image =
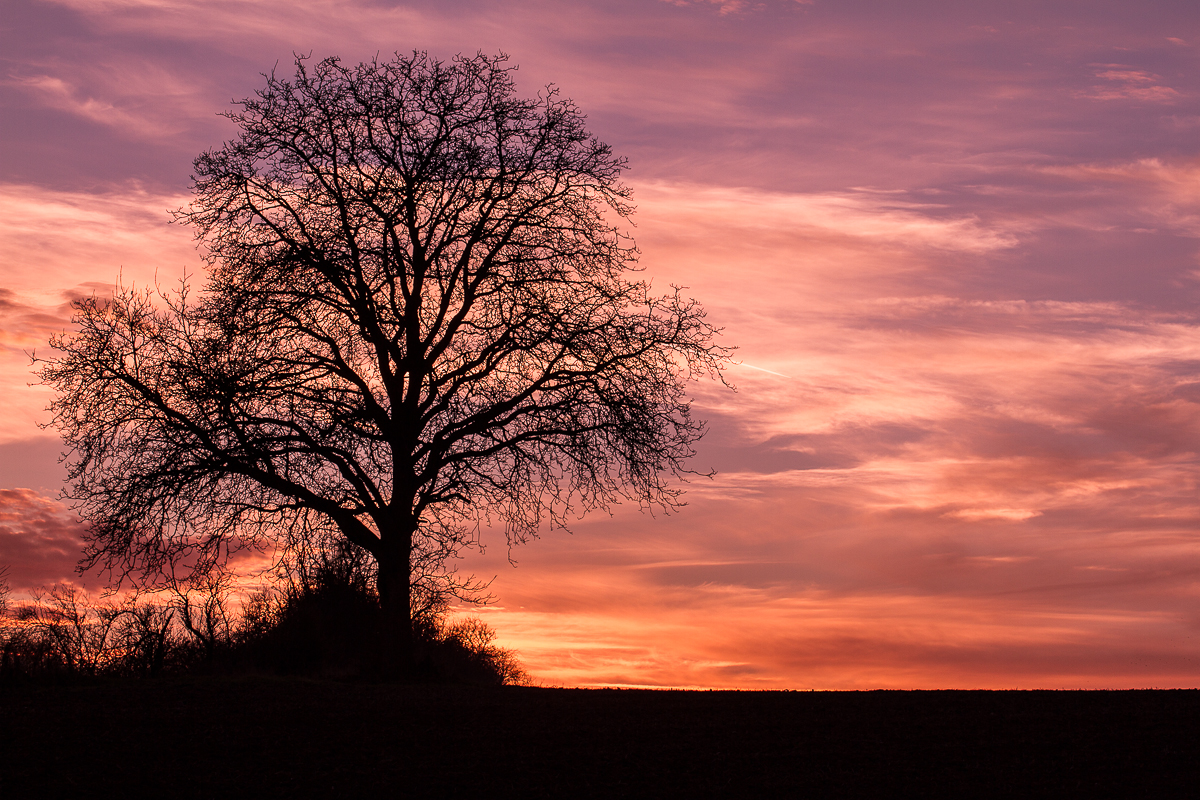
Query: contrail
[(760, 369)]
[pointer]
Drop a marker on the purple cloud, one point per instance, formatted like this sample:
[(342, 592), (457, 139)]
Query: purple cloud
[(40, 539)]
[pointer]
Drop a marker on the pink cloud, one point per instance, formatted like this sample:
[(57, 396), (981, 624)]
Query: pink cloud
[(1028, 464), (1127, 83), (40, 539), (141, 106), (723, 6), (56, 247)]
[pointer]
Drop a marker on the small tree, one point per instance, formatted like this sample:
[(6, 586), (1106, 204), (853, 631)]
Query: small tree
[(5, 590), (201, 602), (417, 319), (5, 622)]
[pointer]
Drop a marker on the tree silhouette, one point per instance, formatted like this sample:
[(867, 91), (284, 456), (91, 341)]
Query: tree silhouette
[(417, 319)]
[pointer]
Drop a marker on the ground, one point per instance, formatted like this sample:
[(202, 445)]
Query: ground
[(272, 737)]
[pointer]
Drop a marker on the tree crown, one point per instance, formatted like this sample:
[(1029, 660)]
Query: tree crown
[(417, 316)]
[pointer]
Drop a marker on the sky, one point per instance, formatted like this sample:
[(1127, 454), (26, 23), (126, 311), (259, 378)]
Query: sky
[(957, 245)]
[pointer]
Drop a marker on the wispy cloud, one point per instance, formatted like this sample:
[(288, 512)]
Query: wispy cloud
[(881, 217), (136, 96), (1128, 83), (57, 93)]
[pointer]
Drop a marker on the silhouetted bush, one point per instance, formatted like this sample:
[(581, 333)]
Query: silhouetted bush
[(64, 633), (332, 625), (329, 627), (322, 620)]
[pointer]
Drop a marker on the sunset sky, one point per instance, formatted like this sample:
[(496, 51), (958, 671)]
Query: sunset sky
[(957, 245)]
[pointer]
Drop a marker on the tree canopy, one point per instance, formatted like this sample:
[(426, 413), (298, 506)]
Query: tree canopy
[(418, 316)]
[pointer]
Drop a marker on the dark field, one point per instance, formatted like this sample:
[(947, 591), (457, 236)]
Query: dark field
[(265, 737)]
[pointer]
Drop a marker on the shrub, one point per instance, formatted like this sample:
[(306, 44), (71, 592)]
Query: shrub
[(63, 632), (322, 621)]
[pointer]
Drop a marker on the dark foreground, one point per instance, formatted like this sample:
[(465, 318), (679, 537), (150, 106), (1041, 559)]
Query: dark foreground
[(265, 737)]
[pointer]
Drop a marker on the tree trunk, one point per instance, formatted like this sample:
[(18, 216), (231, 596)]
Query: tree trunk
[(395, 603)]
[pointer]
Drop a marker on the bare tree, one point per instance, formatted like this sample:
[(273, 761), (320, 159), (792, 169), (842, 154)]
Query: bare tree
[(476, 637), (418, 318), (5, 621), (5, 590), (201, 601), (143, 637), (65, 630), (79, 631)]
